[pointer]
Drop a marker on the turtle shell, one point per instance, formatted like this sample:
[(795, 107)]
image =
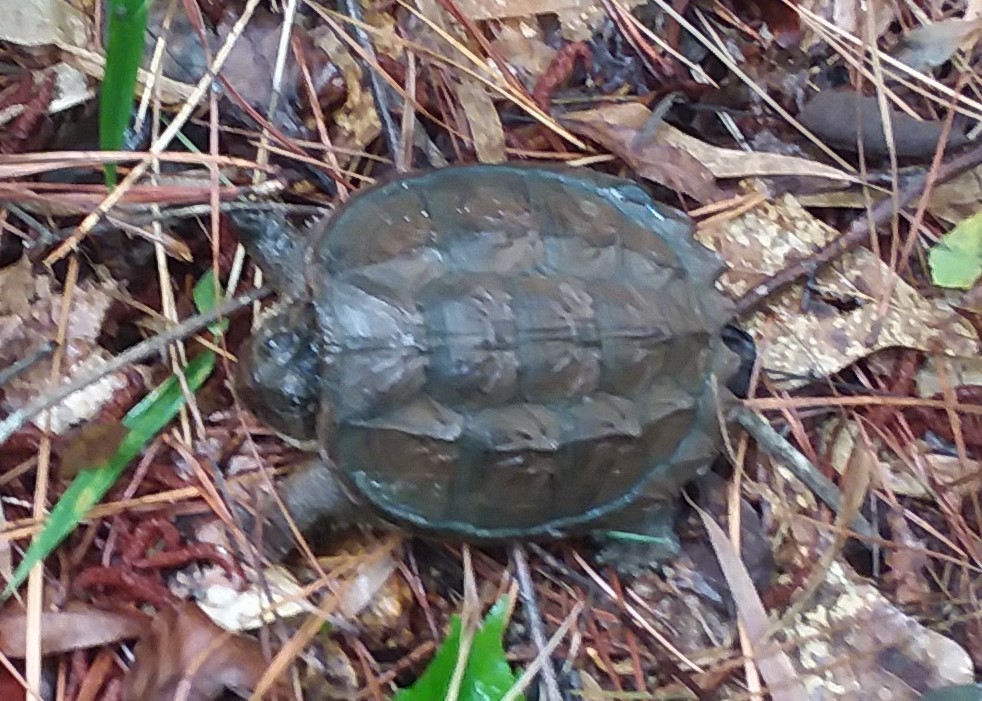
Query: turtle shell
[(514, 351)]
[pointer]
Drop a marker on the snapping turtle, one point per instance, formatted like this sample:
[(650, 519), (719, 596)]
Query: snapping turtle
[(492, 352)]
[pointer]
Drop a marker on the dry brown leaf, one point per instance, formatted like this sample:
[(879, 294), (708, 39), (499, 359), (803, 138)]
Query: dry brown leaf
[(721, 162), (796, 344), (909, 562), (666, 165), (236, 609), (93, 444), (579, 19), (910, 475), (774, 664), (81, 627), (959, 198), (356, 120), (952, 201), (522, 45), (483, 119), (183, 650), (849, 16)]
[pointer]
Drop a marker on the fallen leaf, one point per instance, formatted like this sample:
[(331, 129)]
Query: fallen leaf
[(483, 119), (93, 444), (184, 650), (236, 609), (774, 664), (578, 19), (956, 260), (29, 311), (250, 66), (838, 117), (356, 120), (959, 198), (933, 44), (522, 44), (850, 16), (80, 627), (666, 165), (721, 162), (796, 344), (40, 22), (911, 475), (851, 640)]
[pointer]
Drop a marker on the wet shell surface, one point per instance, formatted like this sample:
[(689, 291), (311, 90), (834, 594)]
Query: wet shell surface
[(502, 351)]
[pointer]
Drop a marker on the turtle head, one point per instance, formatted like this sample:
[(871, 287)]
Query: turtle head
[(279, 375), (277, 246)]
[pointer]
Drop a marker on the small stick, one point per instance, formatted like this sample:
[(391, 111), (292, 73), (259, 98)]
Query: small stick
[(144, 349), (780, 448), (19, 366), (527, 591), (858, 233)]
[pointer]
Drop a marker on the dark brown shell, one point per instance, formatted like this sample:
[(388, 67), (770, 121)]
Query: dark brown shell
[(514, 351)]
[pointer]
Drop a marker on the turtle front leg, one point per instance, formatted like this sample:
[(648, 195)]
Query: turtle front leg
[(640, 538), (313, 497)]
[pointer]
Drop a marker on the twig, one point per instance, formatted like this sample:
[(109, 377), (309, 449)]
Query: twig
[(19, 366), (527, 591), (142, 350), (858, 233), (778, 447), (543, 657)]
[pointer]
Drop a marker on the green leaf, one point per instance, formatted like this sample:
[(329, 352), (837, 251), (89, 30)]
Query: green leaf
[(127, 27), (145, 420), (956, 260), (488, 675)]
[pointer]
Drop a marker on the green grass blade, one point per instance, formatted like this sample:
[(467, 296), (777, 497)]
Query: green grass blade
[(127, 28), (145, 420), (488, 675)]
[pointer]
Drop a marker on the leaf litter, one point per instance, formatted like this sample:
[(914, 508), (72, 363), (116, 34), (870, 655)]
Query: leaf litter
[(857, 624)]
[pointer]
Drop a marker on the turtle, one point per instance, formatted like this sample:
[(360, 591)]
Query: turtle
[(492, 352)]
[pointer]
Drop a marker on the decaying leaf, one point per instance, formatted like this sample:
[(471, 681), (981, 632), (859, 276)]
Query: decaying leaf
[(522, 44), (851, 640), (850, 16), (93, 444), (579, 19), (29, 311), (250, 66), (959, 198), (80, 627), (844, 119), (184, 651), (841, 321), (720, 162), (914, 475), (357, 119), (39, 22), (235, 609), (933, 44), (484, 122), (658, 162)]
